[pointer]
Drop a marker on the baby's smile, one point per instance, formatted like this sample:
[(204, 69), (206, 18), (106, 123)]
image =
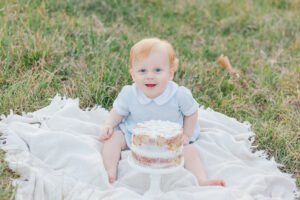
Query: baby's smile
[(150, 85)]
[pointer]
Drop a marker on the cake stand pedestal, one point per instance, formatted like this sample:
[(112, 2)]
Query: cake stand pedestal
[(155, 176)]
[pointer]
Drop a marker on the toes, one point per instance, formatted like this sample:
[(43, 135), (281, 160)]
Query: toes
[(111, 180), (218, 182), (111, 176), (213, 182), (223, 183)]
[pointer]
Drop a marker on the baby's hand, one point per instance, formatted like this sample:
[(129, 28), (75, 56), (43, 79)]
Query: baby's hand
[(186, 140), (105, 133)]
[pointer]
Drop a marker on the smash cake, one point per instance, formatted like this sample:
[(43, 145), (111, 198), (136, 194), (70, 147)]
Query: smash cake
[(157, 144)]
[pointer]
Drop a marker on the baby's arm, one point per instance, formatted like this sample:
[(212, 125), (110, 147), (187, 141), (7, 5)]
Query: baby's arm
[(111, 122), (189, 123)]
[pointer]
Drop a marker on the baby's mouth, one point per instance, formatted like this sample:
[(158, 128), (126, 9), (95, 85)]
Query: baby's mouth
[(150, 85)]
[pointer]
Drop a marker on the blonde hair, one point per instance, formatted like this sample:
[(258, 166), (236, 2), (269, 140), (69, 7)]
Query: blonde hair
[(144, 47)]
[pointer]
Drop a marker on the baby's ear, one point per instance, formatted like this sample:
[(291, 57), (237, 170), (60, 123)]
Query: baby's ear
[(171, 74), (131, 73)]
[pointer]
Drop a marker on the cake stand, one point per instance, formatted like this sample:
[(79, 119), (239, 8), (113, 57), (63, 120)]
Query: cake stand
[(155, 176)]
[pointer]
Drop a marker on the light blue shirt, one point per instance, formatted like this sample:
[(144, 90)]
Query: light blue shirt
[(172, 105)]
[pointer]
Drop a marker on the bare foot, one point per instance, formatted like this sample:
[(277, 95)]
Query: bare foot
[(111, 176), (216, 182)]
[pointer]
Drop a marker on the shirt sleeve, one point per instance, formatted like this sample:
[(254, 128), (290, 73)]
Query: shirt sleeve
[(120, 104), (187, 104)]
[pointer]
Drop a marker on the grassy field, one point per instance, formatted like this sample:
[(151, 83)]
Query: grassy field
[(81, 49)]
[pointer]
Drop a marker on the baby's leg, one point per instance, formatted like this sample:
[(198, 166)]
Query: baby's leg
[(193, 163), (111, 153)]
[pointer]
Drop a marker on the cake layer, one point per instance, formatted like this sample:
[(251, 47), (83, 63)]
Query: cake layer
[(143, 141), (157, 163), (156, 153)]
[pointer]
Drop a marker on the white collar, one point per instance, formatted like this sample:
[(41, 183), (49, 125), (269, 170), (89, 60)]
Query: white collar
[(161, 99)]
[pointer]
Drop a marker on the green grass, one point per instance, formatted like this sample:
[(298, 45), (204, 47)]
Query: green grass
[(81, 49), (6, 189)]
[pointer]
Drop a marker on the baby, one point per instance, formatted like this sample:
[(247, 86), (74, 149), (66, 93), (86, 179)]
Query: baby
[(153, 96)]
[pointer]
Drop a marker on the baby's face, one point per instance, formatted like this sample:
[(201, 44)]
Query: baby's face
[(152, 74)]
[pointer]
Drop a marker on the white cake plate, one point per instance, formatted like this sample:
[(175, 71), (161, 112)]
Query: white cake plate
[(155, 176)]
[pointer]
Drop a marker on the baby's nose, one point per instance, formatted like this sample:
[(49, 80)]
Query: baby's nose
[(150, 75)]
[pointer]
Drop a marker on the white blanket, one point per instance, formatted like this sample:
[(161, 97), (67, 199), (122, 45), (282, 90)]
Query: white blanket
[(57, 154)]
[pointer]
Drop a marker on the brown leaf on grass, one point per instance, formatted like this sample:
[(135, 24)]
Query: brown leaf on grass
[(224, 61)]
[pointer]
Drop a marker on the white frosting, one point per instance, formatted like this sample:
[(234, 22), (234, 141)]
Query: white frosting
[(155, 128)]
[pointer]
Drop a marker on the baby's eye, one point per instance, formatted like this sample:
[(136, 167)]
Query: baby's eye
[(157, 70), (142, 70)]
